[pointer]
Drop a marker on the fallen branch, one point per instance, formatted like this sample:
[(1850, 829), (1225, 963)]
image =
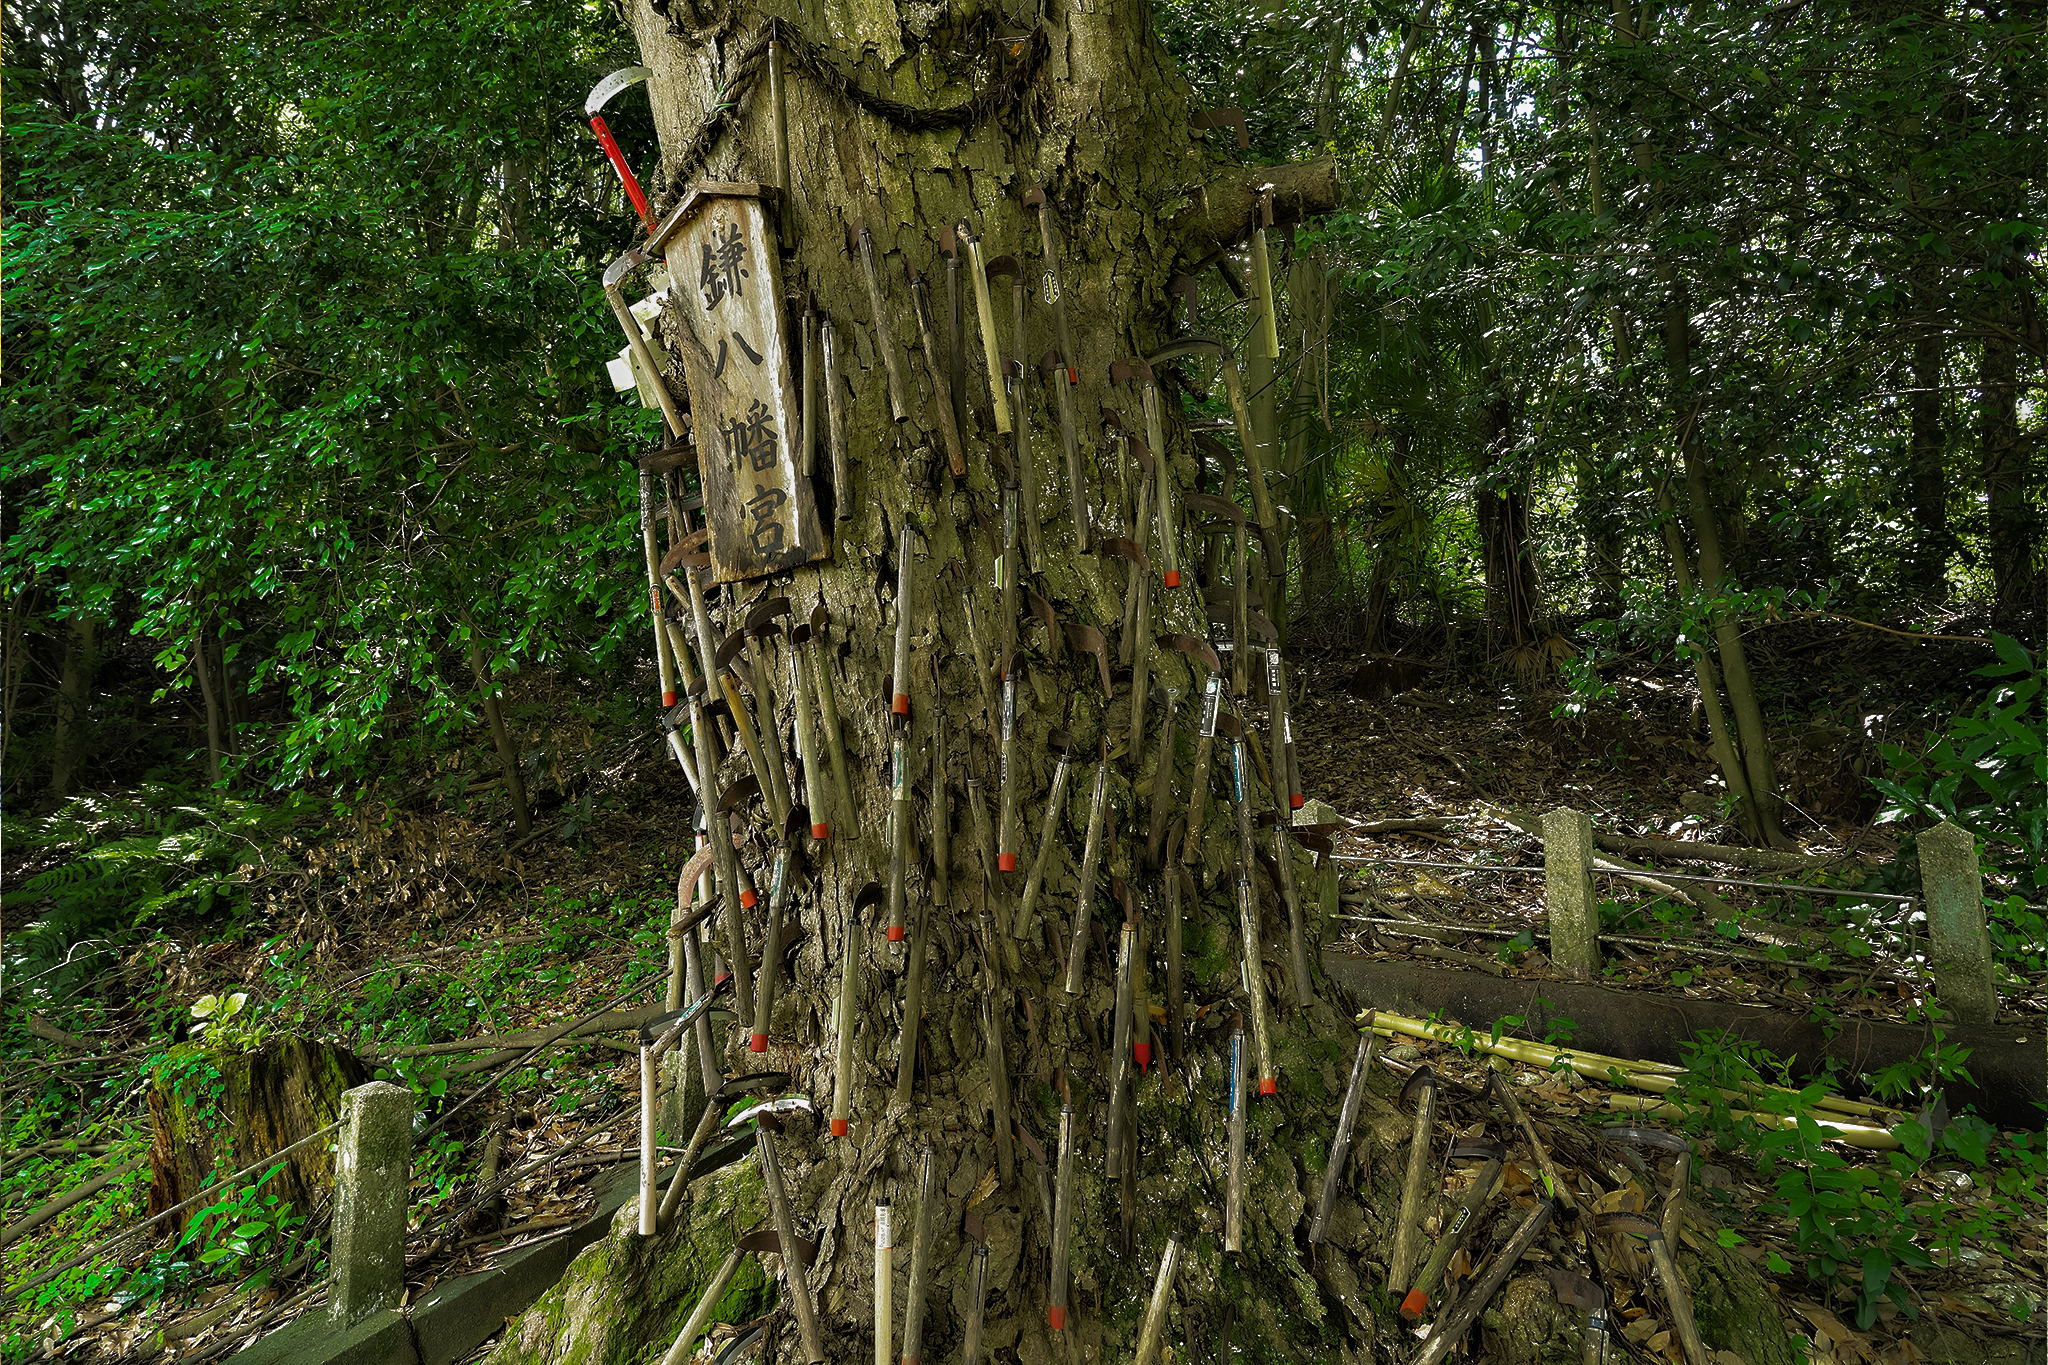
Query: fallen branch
[(23, 1226), (1759, 859), (617, 1021), (43, 1028), (1701, 899), (1395, 826), (1443, 954)]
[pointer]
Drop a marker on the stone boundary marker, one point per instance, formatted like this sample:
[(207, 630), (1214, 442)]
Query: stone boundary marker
[(366, 1322), (1951, 885)]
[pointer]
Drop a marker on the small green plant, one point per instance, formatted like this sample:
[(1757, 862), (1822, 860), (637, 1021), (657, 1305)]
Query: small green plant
[(1851, 1220), (1988, 773)]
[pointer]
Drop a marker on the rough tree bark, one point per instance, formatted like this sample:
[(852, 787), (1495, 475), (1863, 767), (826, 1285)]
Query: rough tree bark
[(905, 120)]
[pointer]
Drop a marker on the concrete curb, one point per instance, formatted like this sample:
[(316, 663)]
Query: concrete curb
[(459, 1315)]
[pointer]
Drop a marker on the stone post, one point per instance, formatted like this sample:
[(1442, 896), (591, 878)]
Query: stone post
[(1568, 892), (371, 1173), (1326, 883), (1959, 946)]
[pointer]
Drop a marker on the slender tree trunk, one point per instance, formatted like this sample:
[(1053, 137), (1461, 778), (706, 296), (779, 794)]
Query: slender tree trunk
[(72, 731), (1757, 763), (1600, 510), (230, 707), (1721, 741), (1503, 510), (209, 691), (508, 754), (2013, 516), (1751, 740), (1926, 478)]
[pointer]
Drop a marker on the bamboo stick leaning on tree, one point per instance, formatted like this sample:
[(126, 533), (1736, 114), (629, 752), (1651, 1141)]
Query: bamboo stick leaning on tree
[(885, 1284), (1446, 1333), (807, 740), (1340, 1141), (1460, 1226), (1120, 1053), (1063, 1213), (913, 1000), (849, 984), (787, 848), (1198, 780), (1008, 778), (1233, 1176), (828, 712), (1421, 1089), (835, 425), (920, 1259), (700, 1316), (785, 1228), (992, 882), (899, 829), (1676, 1299), (718, 830), (1091, 865), (991, 351), (977, 1307), (942, 379), (1062, 745), (1153, 1328)]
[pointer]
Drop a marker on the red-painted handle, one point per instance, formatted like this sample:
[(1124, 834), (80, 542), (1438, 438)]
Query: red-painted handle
[(611, 149)]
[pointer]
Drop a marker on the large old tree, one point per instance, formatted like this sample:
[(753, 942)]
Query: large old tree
[(907, 120)]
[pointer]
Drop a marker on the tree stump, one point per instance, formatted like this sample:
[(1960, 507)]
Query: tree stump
[(212, 1115)]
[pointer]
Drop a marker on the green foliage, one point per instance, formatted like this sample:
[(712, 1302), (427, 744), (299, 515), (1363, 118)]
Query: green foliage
[(1853, 1220), (128, 864), (1988, 773), (319, 367)]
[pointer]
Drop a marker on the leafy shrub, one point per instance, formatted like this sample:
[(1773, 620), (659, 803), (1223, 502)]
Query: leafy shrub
[(1987, 772), (1852, 1222), (127, 865)]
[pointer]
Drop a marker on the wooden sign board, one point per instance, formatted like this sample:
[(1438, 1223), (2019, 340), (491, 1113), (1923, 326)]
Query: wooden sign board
[(720, 246)]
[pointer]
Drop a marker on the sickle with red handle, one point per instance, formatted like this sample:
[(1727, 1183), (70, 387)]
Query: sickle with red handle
[(601, 95)]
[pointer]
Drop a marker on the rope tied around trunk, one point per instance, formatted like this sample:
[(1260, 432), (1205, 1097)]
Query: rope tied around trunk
[(736, 94)]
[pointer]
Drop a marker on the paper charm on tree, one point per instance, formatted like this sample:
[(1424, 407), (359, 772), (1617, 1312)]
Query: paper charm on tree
[(720, 248)]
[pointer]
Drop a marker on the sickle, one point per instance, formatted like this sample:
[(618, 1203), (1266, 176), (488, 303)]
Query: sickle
[(1194, 647)]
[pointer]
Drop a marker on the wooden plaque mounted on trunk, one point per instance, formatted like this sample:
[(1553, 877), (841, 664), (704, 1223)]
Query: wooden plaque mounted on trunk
[(721, 251)]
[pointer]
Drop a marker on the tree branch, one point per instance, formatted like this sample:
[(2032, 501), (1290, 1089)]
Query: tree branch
[(1301, 189)]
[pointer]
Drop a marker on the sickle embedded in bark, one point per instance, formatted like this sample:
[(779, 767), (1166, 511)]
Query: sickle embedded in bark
[(1189, 289), (1224, 118), (1042, 609), (1089, 639), (942, 382), (764, 1241), (1195, 648), (861, 243)]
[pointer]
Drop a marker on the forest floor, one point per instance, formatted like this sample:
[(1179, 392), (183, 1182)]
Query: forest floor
[(381, 945)]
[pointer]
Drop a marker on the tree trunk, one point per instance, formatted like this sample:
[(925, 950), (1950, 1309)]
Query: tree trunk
[(905, 143), (1503, 513), (2015, 581), (1752, 744), (1720, 738), (73, 727), (202, 667), (501, 736), (1926, 480)]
